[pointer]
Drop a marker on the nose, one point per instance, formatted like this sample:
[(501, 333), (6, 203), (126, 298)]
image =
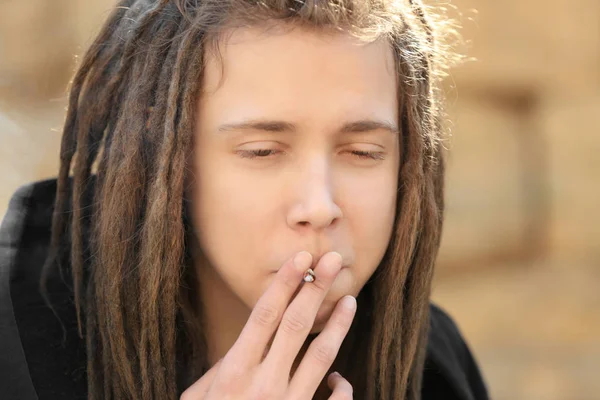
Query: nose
[(314, 205)]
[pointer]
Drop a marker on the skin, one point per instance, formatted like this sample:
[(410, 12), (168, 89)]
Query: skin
[(306, 189), (246, 373)]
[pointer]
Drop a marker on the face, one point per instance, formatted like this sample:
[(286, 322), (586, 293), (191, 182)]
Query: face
[(296, 148)]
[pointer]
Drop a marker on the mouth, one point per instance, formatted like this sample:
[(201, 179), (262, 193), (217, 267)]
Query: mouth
[(346, 261)]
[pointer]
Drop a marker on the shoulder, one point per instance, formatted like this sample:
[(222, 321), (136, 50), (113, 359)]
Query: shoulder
[(23, 231), (25, 234), (34, 197), (29, 216), (31, 336), (28, 219), (451, 371)]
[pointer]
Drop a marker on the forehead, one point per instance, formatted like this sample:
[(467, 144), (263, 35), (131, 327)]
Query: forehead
[(299, 73)]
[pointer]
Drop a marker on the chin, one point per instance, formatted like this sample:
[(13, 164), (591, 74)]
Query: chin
[(323, 316)]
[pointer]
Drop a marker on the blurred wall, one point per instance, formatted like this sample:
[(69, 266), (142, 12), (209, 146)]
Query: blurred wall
[(520, 261), (527, 131), (519, 264), (39, 40)]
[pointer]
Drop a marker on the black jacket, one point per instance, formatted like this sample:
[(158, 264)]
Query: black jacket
[(37, 362)]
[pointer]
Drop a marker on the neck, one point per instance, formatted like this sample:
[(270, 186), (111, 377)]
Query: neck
[(224, 313)]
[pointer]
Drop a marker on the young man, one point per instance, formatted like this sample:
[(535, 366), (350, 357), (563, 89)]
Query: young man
[(266, 210)]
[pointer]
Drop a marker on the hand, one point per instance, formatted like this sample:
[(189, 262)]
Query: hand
[(251, 370)]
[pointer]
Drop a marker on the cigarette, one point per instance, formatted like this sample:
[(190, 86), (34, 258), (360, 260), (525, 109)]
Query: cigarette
[(309, 275)]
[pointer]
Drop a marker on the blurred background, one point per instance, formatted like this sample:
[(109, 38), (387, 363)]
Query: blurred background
[(519, 268)]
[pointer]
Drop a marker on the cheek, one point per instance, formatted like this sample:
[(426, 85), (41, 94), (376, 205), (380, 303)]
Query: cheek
[(233, 219), (218, 214), (371, 210), (371, 206), (235, 210)]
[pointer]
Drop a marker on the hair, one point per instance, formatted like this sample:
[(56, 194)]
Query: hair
[(127, 142)]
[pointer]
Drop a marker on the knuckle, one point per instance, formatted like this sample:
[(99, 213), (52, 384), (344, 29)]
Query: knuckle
[(263, 391), (294, 322), (231, 372), (324, 353), (265, 315), (267, 386)]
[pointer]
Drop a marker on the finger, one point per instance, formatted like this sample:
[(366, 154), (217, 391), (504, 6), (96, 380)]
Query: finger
[(341, 388), (323, 349), (299, 317), (199, 389), (250, 346)]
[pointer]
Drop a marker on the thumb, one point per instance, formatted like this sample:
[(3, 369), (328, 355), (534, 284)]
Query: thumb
[(342, 389), (199, 389)]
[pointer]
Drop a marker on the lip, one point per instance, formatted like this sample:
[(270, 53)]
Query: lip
[(314, 265), (346, 261)]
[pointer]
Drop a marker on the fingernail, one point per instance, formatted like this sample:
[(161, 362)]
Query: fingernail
[(303, 260), (330, 379), (339, 259), (349, 302)]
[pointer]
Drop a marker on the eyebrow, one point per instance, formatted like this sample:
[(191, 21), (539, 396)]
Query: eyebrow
[(363, 125)]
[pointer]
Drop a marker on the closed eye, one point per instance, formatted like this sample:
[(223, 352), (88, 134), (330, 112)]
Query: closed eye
[(374, 155), (266, 153), (257, 153)]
